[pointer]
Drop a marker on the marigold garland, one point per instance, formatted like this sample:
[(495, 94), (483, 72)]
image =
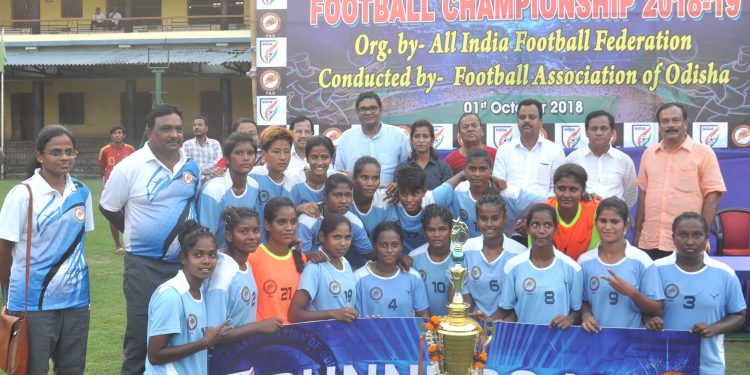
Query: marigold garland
[(479, 359)]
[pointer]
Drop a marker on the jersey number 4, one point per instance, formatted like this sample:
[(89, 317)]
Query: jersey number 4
[(392, 305)]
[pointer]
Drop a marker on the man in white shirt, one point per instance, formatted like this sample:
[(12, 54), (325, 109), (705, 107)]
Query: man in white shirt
[(611, 172), (531, 161), (302, 127), (386, 143), (98, 19), (204, 150), (115, 17)]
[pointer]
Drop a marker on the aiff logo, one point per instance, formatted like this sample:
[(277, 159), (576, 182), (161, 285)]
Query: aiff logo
[(571, 135), (267, 2), (710, 134), (269, 49), (439, 135), (503, 134), (641, 135), (268, 108)]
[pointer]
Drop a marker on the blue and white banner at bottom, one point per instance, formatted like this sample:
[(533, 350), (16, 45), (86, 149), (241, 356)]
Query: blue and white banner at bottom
[(391, 346)]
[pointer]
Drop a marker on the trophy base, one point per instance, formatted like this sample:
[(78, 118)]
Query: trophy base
[(459, 337), (458, 310)]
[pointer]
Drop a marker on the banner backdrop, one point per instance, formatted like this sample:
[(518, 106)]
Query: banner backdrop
[(436, 59), (391, 346)]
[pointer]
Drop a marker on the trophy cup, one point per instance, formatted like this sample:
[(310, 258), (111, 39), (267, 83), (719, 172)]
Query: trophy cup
[(456, 344)]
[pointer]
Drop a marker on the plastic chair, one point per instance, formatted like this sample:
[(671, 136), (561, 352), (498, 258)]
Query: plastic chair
[(733, 232)]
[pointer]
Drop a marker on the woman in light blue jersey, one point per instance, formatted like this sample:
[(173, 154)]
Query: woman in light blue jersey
[(308, 187), (231, 292), (326, 290), (701, 294), (383, 289), (433, 259), (620, 281), (542, 285), (485, 256), (178, 333), (58, 284)]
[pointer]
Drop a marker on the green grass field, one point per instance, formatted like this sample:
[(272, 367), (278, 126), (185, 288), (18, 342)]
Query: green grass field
[(108, 305)]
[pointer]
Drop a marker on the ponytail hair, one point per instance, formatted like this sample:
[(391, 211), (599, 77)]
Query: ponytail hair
[(190, 234)]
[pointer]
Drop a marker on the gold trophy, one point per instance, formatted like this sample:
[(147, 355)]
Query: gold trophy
[(456, 344)]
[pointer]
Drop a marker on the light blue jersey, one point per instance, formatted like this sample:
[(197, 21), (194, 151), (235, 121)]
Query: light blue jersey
[(307, 232), (379, 211), (303, 193), (434, 276), (516, 201), (231, 293), (411, 225), (704, 296), (217, 195), (329, 288), (398, 296), (173, 311), (540, 294), (610, 308), (59, 276), (484, 280), (268, 189), (156, 202)]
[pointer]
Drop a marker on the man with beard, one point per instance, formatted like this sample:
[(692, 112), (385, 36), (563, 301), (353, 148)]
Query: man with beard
[(386, 143), (611, 172), (677, 175)]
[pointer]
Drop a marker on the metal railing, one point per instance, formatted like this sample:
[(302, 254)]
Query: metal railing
[(128, 24)]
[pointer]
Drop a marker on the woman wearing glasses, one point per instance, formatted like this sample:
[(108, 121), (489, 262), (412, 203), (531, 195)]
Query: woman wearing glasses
[(56, 295)]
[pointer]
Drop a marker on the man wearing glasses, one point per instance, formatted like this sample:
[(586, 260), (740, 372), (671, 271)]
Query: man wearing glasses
[(677, 175), (388, 144)]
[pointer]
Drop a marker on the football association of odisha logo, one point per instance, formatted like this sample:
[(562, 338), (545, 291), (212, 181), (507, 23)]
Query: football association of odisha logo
[(594, 283), (529, 284), (270, 80), (192, 321), (245, 294), (334, 287), (741, 136), (476, 273), (671, 291), (270, 23), (376, 294), (80, 214), (188, 178), (269, 287)]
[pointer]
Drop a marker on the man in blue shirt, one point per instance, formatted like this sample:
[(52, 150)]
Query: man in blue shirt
[(386, 143), (149, 196)]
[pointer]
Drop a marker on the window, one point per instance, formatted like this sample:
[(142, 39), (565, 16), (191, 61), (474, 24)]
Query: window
[(213, 8), (70, 105), (71, 8)]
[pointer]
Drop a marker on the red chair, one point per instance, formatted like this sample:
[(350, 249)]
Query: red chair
[(733, 232)]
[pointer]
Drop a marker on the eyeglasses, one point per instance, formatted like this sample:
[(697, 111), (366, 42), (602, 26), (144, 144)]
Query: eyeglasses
[(59, 153), (363, 110)]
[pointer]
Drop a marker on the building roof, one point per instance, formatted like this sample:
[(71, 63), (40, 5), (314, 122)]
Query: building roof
[(127, 55)]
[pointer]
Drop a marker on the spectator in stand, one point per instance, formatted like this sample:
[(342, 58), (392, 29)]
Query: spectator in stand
[(109, 156), (242, 125), (204, 150), (470, 134), (386, 143), (98, 19), (423, 155), (114, 18), (151, 195), (531, 161), (302, 127), (611, 172), (677, 175)]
